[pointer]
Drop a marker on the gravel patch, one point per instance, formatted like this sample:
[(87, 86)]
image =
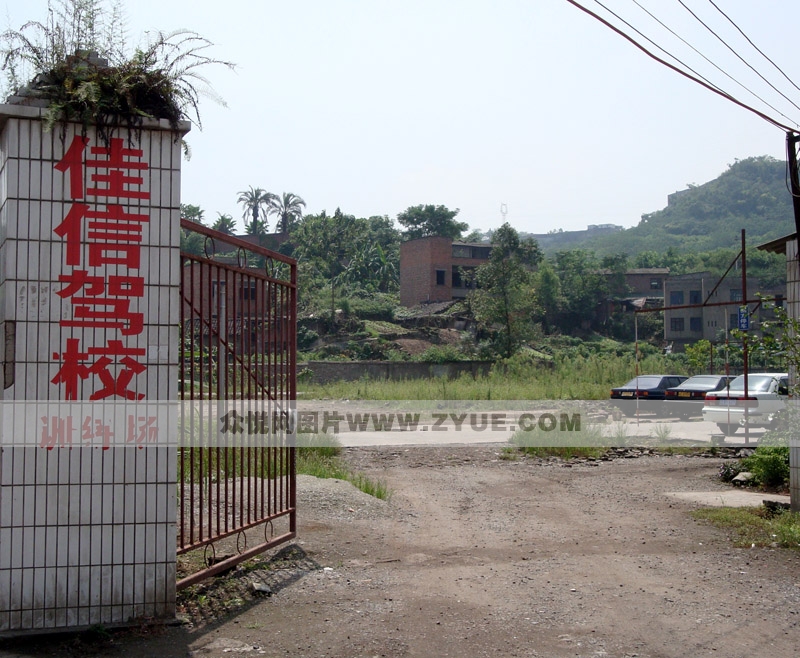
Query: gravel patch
[(337, 500)]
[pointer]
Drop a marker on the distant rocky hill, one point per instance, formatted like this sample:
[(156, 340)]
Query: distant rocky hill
[(564, 240), (751, 194)]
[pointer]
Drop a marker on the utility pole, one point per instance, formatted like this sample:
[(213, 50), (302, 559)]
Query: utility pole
[(792, 140), (745, 363)]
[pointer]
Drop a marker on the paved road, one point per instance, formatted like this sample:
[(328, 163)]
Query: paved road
[(649, 430)]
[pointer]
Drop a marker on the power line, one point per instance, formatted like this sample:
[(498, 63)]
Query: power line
[(742, 59), (721, 70), (672, 67), (761, 52), (619, 18)]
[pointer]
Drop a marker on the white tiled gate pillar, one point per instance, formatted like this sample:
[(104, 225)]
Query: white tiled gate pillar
[(89, 257)]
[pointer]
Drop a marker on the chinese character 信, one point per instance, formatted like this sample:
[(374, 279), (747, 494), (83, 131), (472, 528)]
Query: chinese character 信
[(113, 235)]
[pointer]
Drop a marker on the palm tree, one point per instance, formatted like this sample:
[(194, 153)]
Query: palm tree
[(224, 224), (192, 213), (288, 209), (255, 202)]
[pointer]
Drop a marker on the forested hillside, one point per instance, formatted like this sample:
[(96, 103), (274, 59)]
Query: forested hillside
[(752, 195)]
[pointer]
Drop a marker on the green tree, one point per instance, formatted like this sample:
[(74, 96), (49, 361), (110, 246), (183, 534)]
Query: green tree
[(549, 295), (288, 208), (325, 247), (699, 356), (362, 255), (224, 224), (192, 213), (768, 268), (584, 286), (776, 346), (504, 303), (614, 269), (476, 235), (649, 259), (381, 229), (192, 242), (371, 270), (428, 220), (255, 203)]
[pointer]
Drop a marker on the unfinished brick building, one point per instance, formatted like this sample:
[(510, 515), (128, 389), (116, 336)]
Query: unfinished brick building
[(436, 269)]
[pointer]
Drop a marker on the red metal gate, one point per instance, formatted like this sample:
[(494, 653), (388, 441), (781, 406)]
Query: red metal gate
[(236, 473)]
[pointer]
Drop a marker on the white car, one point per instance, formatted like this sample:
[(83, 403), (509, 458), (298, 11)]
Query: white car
[(766, 396)]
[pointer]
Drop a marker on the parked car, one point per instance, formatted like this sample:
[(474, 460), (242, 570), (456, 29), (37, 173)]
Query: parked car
[(643, 387), (687, 399), (766, 396)]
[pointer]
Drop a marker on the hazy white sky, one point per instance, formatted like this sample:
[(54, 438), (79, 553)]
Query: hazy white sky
[(377, 105)]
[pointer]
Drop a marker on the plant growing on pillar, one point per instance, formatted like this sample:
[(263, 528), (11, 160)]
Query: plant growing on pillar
[(75, 63)]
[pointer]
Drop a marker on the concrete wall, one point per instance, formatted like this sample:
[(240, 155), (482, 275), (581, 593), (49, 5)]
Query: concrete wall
[(330, 371)]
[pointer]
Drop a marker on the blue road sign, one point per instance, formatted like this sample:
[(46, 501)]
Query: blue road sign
[(744, 319)]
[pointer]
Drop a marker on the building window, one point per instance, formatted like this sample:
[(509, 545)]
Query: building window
[(457, 282), (676, 324), (695, 297), (778, 301), (733, 321), (655, 284), (696, 324), (471, 251), (248, 290), (463, 277), (440, 275), (676, 298), (736, 294)]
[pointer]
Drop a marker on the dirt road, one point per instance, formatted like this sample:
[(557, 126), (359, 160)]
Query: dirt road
[(479, 556)]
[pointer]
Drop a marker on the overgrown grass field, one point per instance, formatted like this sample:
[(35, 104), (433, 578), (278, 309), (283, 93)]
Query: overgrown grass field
[(564, 377)]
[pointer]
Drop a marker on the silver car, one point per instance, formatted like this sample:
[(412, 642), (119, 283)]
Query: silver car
[(766, 396)]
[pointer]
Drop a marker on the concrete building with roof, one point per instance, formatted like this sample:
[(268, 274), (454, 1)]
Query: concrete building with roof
[(707, 307)]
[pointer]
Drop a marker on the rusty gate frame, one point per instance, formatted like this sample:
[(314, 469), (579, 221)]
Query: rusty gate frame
[(237, 342)]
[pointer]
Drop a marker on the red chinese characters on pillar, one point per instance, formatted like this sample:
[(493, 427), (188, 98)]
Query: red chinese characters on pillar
[(98, 231)]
